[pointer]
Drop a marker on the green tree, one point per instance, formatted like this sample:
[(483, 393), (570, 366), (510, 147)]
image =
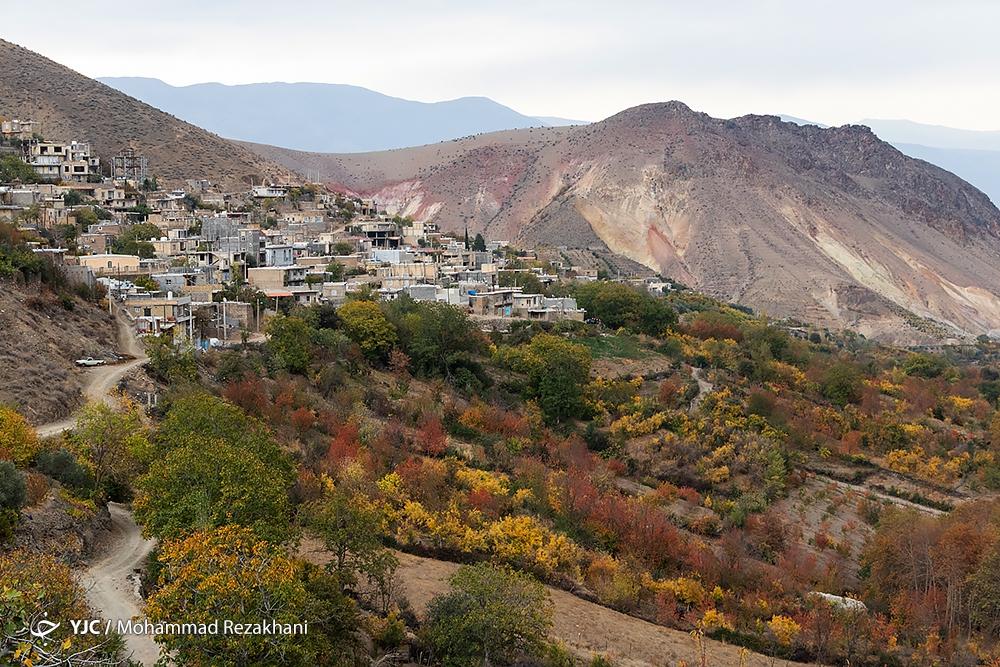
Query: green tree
[(217, 466), (205, 484), (620, 306), (350, 531), (170, 361), (842, 383), (288, 342), (134, 240), (198, 414), (925, 365), (72, 198), (479, 243), (438, 338), (13, 491), (526, 280), (491, 616), (366, 324), (114, 443), (557, 371), (13, 168), (341, 248)]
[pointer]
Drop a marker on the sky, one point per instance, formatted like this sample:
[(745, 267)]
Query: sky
[(832, 62)]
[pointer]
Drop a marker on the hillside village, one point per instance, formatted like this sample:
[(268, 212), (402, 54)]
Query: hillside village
[(208, 265)]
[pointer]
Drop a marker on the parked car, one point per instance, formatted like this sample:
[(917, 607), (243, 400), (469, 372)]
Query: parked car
[(89, 361)]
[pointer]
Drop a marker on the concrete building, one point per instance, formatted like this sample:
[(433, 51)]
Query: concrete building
[(57, 161)]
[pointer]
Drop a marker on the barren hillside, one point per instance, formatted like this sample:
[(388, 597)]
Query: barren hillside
[(829, 225), (43, 336), (71, 106)]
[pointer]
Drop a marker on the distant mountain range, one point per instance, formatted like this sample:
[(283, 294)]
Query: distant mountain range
[(323, 116), (972, 154)]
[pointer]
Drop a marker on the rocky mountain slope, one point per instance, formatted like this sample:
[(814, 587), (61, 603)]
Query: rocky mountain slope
[(71, 106), (829, 225)]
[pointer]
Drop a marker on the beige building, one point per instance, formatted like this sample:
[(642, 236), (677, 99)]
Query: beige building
[(109, 264)]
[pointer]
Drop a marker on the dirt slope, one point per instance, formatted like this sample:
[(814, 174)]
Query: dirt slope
[(41, 339), (586, 627), (72, 106), (831, 226)]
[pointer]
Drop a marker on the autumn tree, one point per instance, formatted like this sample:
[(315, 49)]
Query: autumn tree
[(18, 440), (36, 587), (491, 616), (229, 573), (365, 323), (114, 443)]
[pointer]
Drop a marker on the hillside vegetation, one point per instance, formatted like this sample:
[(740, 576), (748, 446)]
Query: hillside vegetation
[(722, 489)]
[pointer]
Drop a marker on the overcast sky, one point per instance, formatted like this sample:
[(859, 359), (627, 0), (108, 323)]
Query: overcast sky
[(827, 61)]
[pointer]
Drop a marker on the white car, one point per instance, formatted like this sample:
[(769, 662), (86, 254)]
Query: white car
[(90, 361)]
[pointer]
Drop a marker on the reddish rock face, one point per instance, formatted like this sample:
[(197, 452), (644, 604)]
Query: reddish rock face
[(831, 225)]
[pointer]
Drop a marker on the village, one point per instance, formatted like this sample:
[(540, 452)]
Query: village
[(208, 266)]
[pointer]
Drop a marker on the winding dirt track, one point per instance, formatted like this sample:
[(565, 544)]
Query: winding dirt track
[(102, 379), (109, 580), (111, 584)]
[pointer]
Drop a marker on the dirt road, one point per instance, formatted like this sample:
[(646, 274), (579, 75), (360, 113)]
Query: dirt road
[(111, 581), (102, 379), (704, 387)]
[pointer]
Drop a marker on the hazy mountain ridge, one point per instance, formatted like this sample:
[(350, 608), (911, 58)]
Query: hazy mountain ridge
[(830, 225), (325, 117), (71, 106)]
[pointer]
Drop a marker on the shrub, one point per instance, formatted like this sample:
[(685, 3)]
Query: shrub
[(63, 467), (13, 490), (492, 614)]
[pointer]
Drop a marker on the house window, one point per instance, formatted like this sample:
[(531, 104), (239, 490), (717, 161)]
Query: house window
[(109, 264)]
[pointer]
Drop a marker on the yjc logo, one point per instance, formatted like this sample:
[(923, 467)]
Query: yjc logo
[(43, 628)]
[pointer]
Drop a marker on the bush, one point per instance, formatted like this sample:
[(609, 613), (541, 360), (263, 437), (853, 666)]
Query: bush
[(842, 383), (492, 614), (63, 467), (13, 490)]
